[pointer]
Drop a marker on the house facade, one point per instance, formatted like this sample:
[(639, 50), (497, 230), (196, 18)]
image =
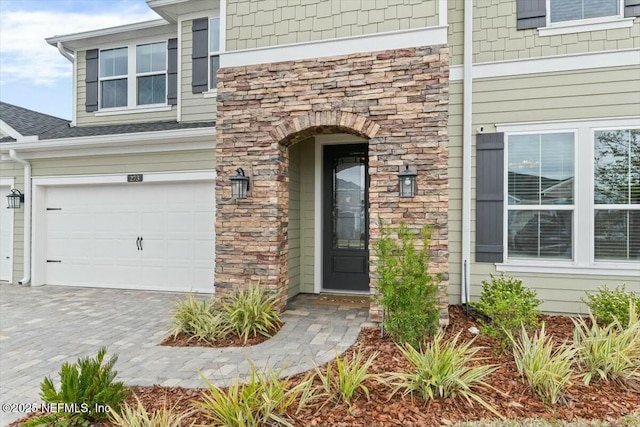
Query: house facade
[(520, 120)]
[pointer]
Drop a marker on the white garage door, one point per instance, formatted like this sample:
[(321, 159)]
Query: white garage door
[(135, 236), (6, 235)]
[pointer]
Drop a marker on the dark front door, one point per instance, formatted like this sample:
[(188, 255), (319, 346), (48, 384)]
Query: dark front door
[(345, 218)]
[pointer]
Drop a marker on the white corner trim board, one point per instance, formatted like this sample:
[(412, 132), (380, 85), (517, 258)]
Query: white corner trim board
[(550, 64), (336, 47)]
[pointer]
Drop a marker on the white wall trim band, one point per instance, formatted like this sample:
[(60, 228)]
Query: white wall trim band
[(335, 47), (550, 64)]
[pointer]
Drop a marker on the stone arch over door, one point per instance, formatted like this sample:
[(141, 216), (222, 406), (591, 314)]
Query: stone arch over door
[(397, 99)]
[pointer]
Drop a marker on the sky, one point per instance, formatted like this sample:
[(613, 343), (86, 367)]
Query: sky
[(33, 74)]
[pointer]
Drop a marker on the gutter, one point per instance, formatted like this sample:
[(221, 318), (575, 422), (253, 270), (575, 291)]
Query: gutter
[(27, 217), (64, 52), (467, 141)]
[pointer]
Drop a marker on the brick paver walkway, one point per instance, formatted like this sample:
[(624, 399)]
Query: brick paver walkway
[(42, 327)]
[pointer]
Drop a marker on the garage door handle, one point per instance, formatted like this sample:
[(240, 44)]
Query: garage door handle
[(138, 243), (141, 243)]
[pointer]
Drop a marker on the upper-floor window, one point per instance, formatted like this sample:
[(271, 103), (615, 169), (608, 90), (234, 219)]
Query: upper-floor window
[(113, 77), (573, 10), (133, 75), (151, 72), (214, 51)]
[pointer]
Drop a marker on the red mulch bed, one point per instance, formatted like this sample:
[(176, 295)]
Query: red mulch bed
[(605, 401), (184, 340)]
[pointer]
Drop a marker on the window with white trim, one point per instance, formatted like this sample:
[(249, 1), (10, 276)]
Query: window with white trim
[(616, 194), (574, 10), (214, 51), (540, 180), (113, 77), (151, 73), (572, 194), (133, 76)]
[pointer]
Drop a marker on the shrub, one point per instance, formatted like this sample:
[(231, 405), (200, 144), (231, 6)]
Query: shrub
[(610, 352), (509, 305), (262, 400), (199, 319), (408, 293), (443, 369), (547, 371), (344, 377), (607, 305), (137, 416), (89, 390), (251, 312)]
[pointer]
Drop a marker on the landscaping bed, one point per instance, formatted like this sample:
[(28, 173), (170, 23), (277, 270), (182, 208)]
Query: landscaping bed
[(510, 396), (185, 340)]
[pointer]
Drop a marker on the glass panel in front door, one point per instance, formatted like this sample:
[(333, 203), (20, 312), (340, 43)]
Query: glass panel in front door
[(349, 220)]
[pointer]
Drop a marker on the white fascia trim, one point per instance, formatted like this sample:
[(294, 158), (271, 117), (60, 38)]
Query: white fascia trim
[(614, 122), (139, 138), (608, 23), (8, 130), (121, 178), (604, 270), (443, 10), (138, 26), (335, 47), (550, 64), (132, 110)]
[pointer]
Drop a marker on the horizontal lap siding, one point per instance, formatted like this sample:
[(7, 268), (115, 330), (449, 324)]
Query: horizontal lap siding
[(307, 214), (599, 93), (262, 23), (194, 106), (131, 163), (88, 119), (9, 169), (293, 236)]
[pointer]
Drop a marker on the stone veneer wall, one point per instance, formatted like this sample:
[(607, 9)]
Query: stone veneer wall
[(398, 99)]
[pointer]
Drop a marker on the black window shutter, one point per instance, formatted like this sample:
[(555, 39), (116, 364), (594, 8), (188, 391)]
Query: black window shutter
[(172, 72), (91, 81), (200, 56), (631, 8), (489, 196), (531, 14)]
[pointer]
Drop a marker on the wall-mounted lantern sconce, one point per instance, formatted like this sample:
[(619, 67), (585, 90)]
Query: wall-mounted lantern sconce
[(14, 199), (407, 180), (239, 185)]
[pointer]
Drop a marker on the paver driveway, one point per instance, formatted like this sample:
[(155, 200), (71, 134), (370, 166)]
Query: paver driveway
[(42, 327)]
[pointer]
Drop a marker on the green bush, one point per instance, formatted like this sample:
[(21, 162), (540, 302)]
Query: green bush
[(251, 312), (201, 320), (408, 293), (87, 388), (509, 305), (443, 369), (547, 370), (610, 352), (607, 305), (261, 401), (344, 377)]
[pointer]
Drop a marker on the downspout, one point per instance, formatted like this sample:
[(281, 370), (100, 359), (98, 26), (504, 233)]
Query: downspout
[(465, 272), (71, 57), (64, 52), (27, 217)]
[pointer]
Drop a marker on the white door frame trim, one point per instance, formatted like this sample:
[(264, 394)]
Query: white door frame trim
[(10, 182), (41, 183), (320, 142)]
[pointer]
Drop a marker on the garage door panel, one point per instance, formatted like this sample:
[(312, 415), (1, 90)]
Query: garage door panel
[(95, 235)]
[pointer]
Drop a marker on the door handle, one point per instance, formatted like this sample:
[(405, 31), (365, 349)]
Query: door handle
[(141, 243), (138, 243)]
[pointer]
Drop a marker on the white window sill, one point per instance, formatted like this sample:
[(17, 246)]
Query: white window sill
[(581, 26), (626, 269), (210, 94), (133, 110)]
